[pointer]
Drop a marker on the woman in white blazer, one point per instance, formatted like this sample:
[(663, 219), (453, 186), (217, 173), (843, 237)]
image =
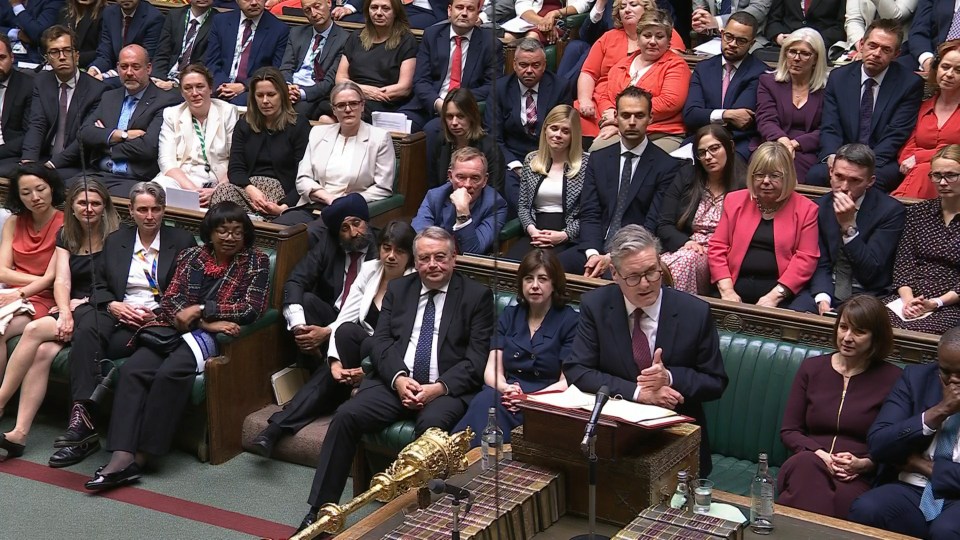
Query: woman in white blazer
[(194, 149), (860, 13)]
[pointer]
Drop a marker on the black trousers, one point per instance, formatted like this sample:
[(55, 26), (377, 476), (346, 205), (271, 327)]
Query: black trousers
[(96, 335), (353, 343), (373, 408), (149, 400)]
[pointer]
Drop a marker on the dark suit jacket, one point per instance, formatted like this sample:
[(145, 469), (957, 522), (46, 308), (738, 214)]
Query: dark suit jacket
[(298, 45), (496, 168), (880, 222), (651, 178), (14, 120), (463, 344), (897, 431), (512, 136), (285, 149), (439, 8), (171, 41), (45, 111), (118, 248), (321, 271), (603, 351), (483, 64), (140, 153), (704, 96), (144, 30), (267, 46), (894, 113), (37, 16), (88, 36), (824, 16), (675, 202), (487, 216), (931, 22)]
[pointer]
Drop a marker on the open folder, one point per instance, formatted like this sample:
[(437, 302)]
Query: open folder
[(649, 416)]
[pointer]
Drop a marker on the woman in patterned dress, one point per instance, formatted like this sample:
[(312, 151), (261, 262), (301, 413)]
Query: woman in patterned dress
[(693, 204), (926, 273)]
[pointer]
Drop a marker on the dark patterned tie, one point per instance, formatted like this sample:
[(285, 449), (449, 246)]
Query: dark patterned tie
[(245, 51), (188, 47), (621, 207), (61, 121), (422, 354), (126, 26), (315, 50), (641, 347), (866, 110), (530, 110)]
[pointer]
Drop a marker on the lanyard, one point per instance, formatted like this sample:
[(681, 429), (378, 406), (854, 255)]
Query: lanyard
[(243, 46), (203, 143), (186, 29)]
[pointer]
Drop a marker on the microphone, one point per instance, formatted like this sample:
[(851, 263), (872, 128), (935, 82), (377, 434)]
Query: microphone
[(603, 394), (103, 387), (440, 487)]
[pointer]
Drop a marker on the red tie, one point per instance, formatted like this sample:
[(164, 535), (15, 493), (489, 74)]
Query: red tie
[(317, 70), (456, 64), (641, 347), (806, 5), (351, 274), (245, 51)]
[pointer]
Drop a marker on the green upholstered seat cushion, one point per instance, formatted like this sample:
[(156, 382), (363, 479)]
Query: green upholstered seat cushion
[(383, 206), (510, 230), (735, 475)]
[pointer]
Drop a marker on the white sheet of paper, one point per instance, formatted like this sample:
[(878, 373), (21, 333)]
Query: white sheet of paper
[(896, 306), (183, 198), (628, 411), (710, 48), (516, 25), (391, 121)]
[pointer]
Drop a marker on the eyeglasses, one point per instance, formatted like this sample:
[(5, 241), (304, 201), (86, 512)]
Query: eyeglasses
[(774, 176), (56, 53), (730, 38), (798, 53), (347, 105), (229, 234), (950, 177), (713, 150), (650, 276)]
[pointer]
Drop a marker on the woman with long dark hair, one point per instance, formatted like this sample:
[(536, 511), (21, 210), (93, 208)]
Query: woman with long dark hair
[(84, 18), (462, 125)]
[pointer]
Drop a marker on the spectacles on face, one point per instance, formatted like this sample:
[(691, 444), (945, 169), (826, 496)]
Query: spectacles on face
[(774, 177), (224, 234), (730, 38), (352, 105), (57, 53), (950, 177), (713, 150), (799, 53), (650, 275)]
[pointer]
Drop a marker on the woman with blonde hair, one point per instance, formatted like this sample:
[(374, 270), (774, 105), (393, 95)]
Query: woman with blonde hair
[(766, 246), (790, 100), (550, 184)]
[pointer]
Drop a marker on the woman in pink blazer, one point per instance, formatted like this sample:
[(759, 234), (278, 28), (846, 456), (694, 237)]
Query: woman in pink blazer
[(765, 248)]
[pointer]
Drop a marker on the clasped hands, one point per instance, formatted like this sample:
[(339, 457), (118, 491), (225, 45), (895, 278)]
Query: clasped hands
[(654, 384), (414, 395), (845, 466), (543, 238)]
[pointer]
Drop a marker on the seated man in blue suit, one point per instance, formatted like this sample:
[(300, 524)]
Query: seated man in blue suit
[(859, 227), (928, 29), (481, 59), (467, 207), (647, 343), (239, 43), (623, 185), (883, 118), (124, 23), (518, 131), (24, 22), (915, 437), (421, 14), (723, 89)]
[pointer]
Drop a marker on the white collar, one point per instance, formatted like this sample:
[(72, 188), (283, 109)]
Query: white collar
[(424, 290), (878, 78), (736, 65), (524, 88), (637, 150), (466, 36), (651, 311), (138, 245)]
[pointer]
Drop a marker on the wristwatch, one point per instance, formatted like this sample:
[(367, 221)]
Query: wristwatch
[(203, 311), (123, 135), (781, 290), (462, 219), (851, 231)]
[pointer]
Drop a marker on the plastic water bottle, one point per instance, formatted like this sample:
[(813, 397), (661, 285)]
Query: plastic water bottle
[(762, 494), (491, 441), (681, 496)]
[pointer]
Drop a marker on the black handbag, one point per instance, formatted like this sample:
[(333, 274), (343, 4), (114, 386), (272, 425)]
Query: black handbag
[(162, 340)]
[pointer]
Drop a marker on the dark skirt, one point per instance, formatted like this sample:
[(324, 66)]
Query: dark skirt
[(551, 222)]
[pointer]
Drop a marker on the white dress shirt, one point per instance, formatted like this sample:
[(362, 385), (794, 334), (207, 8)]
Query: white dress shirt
[(648, 325), (239, 47), (917, 479), (438, 300), (464, 45), (716, 115), (138, 291), (637, 151)]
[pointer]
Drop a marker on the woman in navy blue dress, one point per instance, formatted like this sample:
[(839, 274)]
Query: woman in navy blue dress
[(532, 339)]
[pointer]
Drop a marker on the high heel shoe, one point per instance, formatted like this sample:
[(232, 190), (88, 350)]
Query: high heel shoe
[(13, 449)]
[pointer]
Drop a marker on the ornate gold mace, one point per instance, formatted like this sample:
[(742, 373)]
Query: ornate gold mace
[(436, 454)]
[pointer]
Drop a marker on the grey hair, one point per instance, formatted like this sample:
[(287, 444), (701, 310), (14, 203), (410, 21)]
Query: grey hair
[(467, 153), (435, 233), (858, 154), (629, 240), (530, 45), (153, 189), (344, 86)]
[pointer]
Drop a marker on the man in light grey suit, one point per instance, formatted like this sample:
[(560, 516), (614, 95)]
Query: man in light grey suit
[(709, 16), (311, 59)]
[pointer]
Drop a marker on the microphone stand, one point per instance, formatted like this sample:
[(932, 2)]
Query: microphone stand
[(590, 452), (455, 529)]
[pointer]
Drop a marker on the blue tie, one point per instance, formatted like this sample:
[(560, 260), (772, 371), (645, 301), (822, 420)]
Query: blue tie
[(421, 357), (866, 110), (946, 440), (126, 111)]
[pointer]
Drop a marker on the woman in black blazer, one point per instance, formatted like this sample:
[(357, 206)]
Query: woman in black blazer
[(84, 18), (693, 204), (462, 125), (268, 143)]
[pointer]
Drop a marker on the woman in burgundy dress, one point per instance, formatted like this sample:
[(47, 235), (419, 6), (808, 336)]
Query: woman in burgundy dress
[(832, 404)]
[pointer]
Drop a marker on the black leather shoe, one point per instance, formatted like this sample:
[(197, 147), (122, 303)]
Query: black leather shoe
[(80, 431), (308, 520), (262, 445), (13, 449), (72, 455), (101, 482)]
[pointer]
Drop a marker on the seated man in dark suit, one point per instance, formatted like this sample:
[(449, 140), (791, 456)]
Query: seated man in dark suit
[(183, 41), (467, 207), (928, 29), (24, 22), (518, 124), (141, 265), (481, 59), (882, 118), (62, 98), (679, 368), (16, 89), (915, 435), (239, 43), (125, 23), (824, 16), (421, 14), (311, 59), (710, 16), (723, 89), (860, 228), (429, 349), (624, 184), (122, 134)]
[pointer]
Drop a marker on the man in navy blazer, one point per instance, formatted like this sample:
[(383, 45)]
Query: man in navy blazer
[(678, 369), (517, 136), (897, 93), (708, 104), (928, 29), (225, 50), (602, 208), (859, 229), (922, 409), (24, 23), (467, 207), (144, 28)]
